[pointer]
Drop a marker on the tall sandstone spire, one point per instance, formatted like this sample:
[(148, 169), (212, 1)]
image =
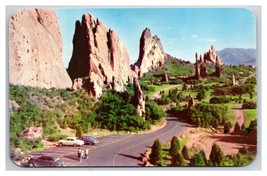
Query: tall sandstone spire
[(151, 54), (35, 50), (99, 57)]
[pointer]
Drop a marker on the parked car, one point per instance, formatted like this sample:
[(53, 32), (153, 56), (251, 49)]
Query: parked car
[(46, 161), (70, 141), (89, 140)]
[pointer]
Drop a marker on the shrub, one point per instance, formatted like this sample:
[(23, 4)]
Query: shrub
[(198, 160), (227, 128), (175, 146), (156, 153), (219, 100), (249, 105), (185, 152), (216, 155), (116, 112), (154, 113), (201, 94), (178, 160), (56, 137)]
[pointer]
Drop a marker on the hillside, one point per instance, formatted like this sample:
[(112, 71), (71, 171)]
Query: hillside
[(238, 56)]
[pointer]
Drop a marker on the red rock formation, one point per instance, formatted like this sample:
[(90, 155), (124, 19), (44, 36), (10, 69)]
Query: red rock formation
[(191, 102), (35, 50), (99, 55), (210, 57), (151, 53), (139, 99)]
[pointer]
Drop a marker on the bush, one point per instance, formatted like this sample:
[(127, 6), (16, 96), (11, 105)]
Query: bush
[(56, 137), (219, 100), (156, 153), (216, 155), (249, 105), (178, 160), (116, 112), (198, 159), (185, 152), (154, 113), (227, 128), (175, 146), (201, 94)]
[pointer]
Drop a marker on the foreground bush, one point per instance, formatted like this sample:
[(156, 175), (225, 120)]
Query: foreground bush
[(156, 153)]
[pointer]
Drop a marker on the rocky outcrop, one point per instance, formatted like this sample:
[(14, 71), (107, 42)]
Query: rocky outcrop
[(77, 84), (35, 50), (151, 54), (100, 56), (32, 133), (139, 99), (210, 58), (233, 80), (164, 77), (13, 105), (191, 102)]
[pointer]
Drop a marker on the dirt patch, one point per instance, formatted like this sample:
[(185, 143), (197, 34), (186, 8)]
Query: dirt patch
[(202, 139)]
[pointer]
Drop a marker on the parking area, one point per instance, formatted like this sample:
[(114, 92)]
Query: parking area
[(69, 154)]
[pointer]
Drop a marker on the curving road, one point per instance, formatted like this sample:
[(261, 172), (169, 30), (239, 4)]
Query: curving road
[(118, 150)]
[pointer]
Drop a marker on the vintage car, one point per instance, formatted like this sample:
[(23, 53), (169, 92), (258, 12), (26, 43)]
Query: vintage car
[(89, 140), (73, 141), (45, 161)]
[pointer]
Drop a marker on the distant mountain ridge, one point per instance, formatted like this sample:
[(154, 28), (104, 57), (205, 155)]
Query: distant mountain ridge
[(238, 56)]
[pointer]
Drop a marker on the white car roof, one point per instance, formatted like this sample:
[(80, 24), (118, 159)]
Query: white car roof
[(71, 137)]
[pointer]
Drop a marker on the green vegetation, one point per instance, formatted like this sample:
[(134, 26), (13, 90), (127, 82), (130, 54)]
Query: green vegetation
[(216, 155), (160, 155), (203, 115), (116, 112), (154, 113), (198, 159), (250, 114), (175, 146), (48, 109), (156, 153)]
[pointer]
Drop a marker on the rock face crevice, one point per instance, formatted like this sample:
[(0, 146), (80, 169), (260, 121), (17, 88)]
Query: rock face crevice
[(151, 54), (99, 56), (35, 50)]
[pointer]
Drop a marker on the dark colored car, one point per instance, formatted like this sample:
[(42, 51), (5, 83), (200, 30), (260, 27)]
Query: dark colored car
[(89, 140), (46, 161)]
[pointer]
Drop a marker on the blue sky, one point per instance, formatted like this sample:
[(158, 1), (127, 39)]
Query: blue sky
[(182, 31)]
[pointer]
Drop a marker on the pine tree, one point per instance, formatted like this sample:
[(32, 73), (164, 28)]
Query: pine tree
[(227, 127), (185, 152), (178, 160), (156, 153), (216, 155), (198, 160), (175, 146)]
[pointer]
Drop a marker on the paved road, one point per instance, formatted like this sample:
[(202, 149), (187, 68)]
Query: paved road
[(118, 150)]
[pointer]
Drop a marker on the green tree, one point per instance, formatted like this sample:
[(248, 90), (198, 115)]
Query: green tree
[(201, 94), (175, 146), (154, 112), (156, 153), (216, 155), (184, 88), (198, 160), (185, 152), (178, 160), (227, 127)]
